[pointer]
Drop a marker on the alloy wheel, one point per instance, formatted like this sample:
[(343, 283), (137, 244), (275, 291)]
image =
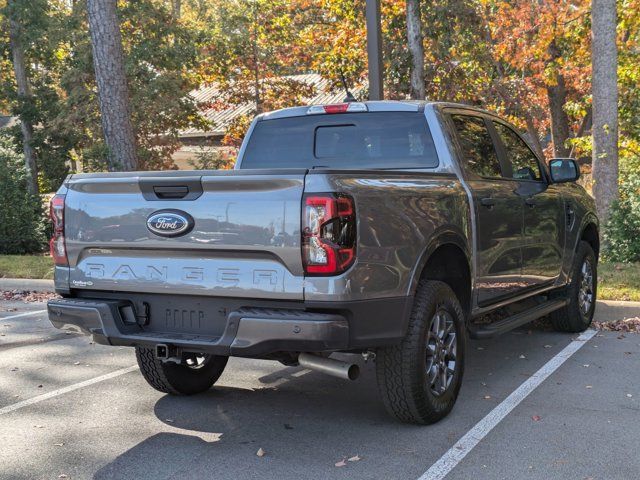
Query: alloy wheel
[(441, 352), (585, 292)]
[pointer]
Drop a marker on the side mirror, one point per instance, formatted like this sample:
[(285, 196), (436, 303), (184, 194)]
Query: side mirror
[(564, 170)]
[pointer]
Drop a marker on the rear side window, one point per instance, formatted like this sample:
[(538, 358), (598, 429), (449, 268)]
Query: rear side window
[(479, 153), (352, 140), (523, 162)]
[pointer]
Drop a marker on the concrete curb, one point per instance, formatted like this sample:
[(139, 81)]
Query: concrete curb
[(606, 310), (612, 310), (26, 284)]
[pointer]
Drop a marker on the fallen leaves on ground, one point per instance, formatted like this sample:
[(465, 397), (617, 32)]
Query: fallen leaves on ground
[(261, 452), (341, 463), (27, 295), (536, 418), (626, 325), (355, 458)]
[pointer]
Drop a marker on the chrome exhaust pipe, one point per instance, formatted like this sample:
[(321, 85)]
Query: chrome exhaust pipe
[(330, 366)]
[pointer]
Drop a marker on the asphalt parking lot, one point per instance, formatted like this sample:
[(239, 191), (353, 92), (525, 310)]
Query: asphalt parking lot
[(73, 409)]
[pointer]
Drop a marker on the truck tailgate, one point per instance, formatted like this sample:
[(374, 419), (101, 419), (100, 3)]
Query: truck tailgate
[(245, 240)]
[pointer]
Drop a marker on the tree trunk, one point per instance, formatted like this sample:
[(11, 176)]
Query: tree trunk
[(557, 95), (108, 62), (24, 94), (256, 62), (416, 49), (605, 105), (176, 9), (533, 134)]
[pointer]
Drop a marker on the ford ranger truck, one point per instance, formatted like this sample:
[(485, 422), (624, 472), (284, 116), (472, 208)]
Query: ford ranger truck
[(388, 229)]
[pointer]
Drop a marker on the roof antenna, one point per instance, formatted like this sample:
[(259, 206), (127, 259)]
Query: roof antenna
[(349, 97)]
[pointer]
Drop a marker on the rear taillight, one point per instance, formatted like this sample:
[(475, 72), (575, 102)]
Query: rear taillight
[(328, 233), (57, 245)]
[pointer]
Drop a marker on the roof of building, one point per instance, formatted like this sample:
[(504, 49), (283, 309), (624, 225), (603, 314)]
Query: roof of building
[(7, 121), (220, 119)]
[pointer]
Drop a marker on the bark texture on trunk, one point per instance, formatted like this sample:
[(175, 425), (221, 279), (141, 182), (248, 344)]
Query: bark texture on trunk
[(108, 62), (605, 105), (416, 49), (24, 92)]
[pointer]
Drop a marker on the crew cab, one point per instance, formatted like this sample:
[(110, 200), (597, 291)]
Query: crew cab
[(387, 229)]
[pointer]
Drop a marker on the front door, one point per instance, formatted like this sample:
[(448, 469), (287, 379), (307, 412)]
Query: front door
[(498, 211), (543, 220)]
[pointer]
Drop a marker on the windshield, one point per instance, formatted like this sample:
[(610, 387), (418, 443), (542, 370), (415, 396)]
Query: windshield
[(351, 140)]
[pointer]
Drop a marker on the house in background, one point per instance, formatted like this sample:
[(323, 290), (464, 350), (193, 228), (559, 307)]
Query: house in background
[(198, 142)]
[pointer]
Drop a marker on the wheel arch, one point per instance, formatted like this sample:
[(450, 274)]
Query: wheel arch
[(590, 234), (447, 258)]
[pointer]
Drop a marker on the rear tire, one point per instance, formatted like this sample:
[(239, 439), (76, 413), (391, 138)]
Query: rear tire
[(180, 379), (577, 315), (410, 376)]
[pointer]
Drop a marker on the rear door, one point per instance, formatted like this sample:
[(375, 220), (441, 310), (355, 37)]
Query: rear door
[(498, 210), (543, 220), (244, 240)]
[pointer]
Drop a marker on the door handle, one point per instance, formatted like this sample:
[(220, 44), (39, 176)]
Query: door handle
[(487, 202), (532, 202)]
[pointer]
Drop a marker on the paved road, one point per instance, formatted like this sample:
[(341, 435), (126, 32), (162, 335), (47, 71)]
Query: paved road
[(581, 422)]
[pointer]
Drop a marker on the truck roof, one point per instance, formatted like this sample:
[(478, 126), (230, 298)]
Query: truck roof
[(372, 106)]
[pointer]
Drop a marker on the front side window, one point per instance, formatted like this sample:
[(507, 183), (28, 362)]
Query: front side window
[(523, 162), (477, 146)]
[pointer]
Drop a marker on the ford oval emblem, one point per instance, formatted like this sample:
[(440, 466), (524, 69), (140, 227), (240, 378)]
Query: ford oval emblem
[(170, 223)]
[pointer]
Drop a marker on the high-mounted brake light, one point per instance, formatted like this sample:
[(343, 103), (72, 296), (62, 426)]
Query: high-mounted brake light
[(57, 245), (328, 233), (350, 107)]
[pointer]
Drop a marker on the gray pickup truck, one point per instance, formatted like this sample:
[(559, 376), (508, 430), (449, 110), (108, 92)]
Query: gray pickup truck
[(395, 230)]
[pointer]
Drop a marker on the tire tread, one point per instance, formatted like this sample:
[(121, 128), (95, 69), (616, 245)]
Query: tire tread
[(404, 396)]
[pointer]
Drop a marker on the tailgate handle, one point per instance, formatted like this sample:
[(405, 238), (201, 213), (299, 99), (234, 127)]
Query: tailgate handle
[(176, 188), (171, 192)]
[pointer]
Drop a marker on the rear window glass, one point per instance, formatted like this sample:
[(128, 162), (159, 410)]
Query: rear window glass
[(351, 140)]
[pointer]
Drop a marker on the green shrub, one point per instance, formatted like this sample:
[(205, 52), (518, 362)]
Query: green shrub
[(23, 224), (622, 232)]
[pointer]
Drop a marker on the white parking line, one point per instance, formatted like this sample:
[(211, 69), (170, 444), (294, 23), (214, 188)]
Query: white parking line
[(36, 312), (70, 388), (455, 454)]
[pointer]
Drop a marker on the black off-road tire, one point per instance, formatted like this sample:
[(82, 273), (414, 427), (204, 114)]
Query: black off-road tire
[(179, 379), (402, 370), (572, 318)]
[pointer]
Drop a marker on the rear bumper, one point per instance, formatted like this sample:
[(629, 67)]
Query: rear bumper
[(227, 328)]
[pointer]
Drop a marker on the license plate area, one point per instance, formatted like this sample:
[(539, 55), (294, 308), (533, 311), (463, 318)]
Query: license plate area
[(173, 314)]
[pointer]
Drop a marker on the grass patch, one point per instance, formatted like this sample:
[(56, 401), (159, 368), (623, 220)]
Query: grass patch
[(617, 281), (26, 266)]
